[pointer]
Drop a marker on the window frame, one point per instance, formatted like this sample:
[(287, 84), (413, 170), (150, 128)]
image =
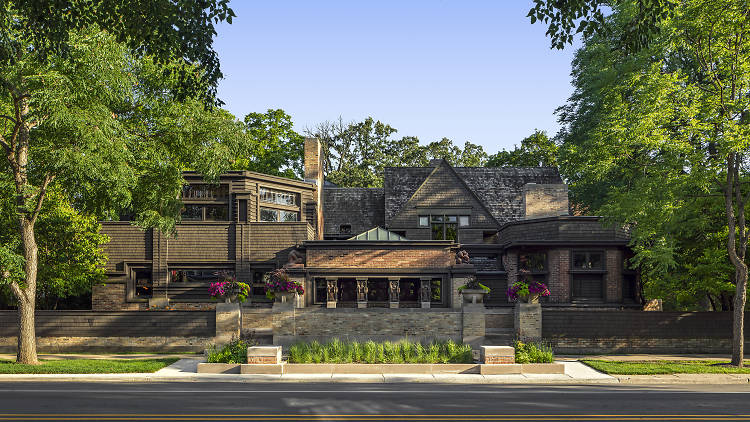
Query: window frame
[(601, 269), (130, 286)]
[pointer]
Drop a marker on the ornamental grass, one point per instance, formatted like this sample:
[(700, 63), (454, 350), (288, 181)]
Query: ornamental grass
[(403, 351)]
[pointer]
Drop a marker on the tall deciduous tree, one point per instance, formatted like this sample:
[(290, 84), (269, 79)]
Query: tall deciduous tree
[(101, 125), (356, 153), (535, 150), (270, 145), (654, 139), (165, 30)]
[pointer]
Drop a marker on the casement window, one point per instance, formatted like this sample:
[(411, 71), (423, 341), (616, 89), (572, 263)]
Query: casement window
[(198, 275), (203, 202), (270, 214), (271, 196), (278, 206), (140, 284), (444, 227), (533, 262), (588, 260)]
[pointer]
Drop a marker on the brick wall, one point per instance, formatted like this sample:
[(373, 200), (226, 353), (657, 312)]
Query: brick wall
[(559, 275), (364, 257), (256, 319), (614, 275), (111, 297), (373, 323), (91, 331), (576, 331)]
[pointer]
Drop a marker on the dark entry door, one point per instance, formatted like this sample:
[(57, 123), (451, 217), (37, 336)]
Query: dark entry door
[(588, 287)]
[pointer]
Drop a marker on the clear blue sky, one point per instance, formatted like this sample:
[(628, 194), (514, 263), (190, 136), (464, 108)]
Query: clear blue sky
[(466, 70)]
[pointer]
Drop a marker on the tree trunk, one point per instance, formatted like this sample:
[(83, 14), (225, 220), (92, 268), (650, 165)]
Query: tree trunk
[(738, 328), (27, 299)]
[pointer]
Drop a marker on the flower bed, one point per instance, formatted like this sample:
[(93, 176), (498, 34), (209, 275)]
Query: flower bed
[(405, 351), (530, 352)]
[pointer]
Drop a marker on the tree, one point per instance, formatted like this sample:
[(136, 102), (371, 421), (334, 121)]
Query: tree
[(662, 135), (356, 154), (535, 150), (165, 30), (101, 125), (588, 17), (271, 146), (71, 258)]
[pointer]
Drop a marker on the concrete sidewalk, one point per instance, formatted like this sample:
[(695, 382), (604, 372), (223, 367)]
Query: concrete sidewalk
[(123, 356)]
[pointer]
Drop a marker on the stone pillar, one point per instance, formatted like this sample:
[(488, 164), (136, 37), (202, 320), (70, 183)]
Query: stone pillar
[(361, 292), (394, 291), (425, 291), (332, 290), (264, 355), (473, 324), (228, 322), (528, 321), (494, 355)]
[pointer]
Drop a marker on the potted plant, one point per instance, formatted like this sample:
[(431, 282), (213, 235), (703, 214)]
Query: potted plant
[(473, 291), (527, 291), (280, 287), (229, 289)]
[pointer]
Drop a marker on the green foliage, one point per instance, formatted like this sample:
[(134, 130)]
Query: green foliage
[(163, 29), (403, 351), (535, 150), (88, 366), (531, 352), (665, 367), (233, 352), (270, 145), (645, 142), (587, 17), (356, 154)]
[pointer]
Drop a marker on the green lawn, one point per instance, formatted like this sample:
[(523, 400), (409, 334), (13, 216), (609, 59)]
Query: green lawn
[(665, 367), (87, 366)]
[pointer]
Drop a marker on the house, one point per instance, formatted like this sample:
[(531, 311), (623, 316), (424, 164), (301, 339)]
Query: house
[(390, 247)]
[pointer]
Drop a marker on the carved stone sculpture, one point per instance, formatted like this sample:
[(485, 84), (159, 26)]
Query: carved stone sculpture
[(394, 290), (362, 290), (462, 257), (425, 291), (333, 290), (296, 257)]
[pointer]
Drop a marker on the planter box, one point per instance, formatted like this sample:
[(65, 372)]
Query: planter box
[(542, 368), (218, 368)]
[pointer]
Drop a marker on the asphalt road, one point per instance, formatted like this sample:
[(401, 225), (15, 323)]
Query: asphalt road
[(29, 401)]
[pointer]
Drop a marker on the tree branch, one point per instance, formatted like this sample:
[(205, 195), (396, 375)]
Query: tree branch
[(40, 196)]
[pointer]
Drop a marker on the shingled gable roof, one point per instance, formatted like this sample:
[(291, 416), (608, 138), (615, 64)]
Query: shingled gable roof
[(500, 189), (443, 188), (359, 208)]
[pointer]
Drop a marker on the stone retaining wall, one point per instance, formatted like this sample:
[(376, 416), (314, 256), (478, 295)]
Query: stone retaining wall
[(376, 324)]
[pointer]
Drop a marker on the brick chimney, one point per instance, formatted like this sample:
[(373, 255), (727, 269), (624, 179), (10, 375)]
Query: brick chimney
[(545, 200), (314, 174)]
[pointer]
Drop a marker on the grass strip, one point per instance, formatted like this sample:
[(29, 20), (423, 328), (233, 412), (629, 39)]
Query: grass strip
[(665, 367), (87, 366)]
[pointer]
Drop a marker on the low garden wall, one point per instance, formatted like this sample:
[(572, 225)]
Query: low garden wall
[(366, 324), (581, 331), (114, 332)]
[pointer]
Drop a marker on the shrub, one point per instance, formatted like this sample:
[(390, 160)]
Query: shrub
[(533, 352), (404, 351), (234, 352)]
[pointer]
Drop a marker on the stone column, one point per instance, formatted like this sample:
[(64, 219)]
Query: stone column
[(228, 322), (361, 292), (425, 291), (473, 327), (528, 321), (394, 291), (332, 289)]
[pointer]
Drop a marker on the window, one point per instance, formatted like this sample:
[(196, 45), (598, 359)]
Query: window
[(532, 261), (587, 260), (143, 285), (345, 229), (463, 220), (444, 227), (436, 291), (198, 275), (270, 214), (197, 212), (271, 196), (424, 220), (205, 192)]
